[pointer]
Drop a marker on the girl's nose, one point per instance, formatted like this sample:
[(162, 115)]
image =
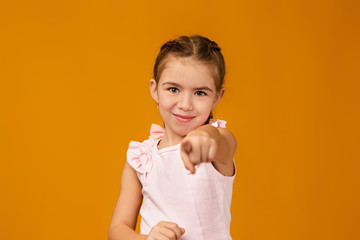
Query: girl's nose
[(185, 103)]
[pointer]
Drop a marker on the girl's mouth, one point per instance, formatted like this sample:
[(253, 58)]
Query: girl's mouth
[(183, 118)]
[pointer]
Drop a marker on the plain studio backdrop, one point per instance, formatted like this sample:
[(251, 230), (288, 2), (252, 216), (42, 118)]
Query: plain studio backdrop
[(74, 79)]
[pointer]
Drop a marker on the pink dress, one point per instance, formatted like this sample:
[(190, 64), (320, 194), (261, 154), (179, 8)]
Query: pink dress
[(198, 202)]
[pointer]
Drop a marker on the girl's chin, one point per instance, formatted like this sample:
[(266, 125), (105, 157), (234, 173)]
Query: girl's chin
[(182, 129)]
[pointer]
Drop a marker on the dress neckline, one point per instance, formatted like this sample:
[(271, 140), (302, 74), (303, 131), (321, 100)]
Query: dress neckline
[(166, 149)]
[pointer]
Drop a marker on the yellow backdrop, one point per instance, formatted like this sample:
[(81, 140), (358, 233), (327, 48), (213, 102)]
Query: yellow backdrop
[(74, 92)]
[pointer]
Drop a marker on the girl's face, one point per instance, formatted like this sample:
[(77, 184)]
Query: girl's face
[(186, 94)]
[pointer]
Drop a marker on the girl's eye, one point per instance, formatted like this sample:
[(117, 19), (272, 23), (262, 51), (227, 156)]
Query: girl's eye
[(173, 90), (200, 93)]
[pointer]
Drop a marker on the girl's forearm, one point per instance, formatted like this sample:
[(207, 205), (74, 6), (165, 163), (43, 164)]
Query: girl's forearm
[(123, 232)]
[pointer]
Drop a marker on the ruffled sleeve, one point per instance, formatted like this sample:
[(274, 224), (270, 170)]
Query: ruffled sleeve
[(139, 154)]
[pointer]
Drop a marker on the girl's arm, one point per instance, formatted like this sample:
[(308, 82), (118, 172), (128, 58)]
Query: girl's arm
[(123, 221), (209, 144)]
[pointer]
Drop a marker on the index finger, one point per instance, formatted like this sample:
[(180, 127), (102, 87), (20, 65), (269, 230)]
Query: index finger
[(186, 159)]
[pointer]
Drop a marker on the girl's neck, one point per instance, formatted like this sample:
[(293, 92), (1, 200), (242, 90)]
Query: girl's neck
[(169, 140)]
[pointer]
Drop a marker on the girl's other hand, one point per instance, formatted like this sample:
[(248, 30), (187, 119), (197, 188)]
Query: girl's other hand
[(165, 231), (196, 147)]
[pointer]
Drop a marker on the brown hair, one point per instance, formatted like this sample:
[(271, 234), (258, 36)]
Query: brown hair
[(196, 47)]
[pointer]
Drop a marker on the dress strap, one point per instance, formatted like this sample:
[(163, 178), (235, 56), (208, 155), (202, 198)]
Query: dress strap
[(217, 123)]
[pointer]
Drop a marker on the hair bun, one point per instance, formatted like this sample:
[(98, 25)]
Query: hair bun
[(213, 46)]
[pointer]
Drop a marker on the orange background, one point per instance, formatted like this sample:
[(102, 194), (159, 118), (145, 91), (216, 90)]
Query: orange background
[(74, 92)]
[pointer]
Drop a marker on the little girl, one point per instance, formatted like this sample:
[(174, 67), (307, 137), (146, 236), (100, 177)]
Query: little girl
[(181, 178)]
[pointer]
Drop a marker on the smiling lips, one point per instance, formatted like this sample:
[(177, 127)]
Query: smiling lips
[(183, 118)]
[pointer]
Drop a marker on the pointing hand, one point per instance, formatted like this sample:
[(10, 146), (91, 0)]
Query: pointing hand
[(197, 147)]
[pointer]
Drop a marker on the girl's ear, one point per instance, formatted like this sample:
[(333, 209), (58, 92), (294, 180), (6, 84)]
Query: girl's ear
[(219, 96), (153, 90)]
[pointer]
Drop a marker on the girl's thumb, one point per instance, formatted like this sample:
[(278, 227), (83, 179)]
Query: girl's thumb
[(182, 230)]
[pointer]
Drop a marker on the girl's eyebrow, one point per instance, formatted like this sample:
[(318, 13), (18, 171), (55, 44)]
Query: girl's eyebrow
[(178, 85), (172, 84)]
